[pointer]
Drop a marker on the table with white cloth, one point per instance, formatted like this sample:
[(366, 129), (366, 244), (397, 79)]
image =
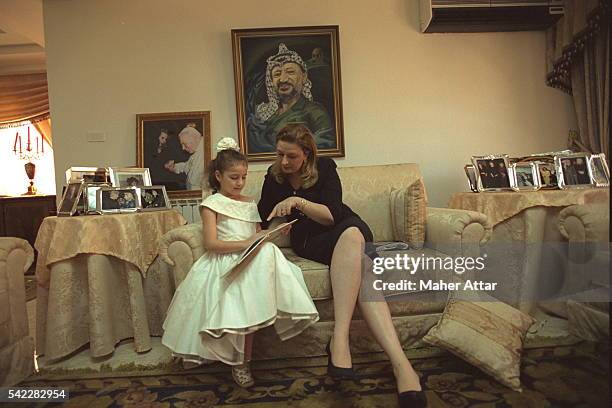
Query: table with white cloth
[(100, 281), (526, 238)]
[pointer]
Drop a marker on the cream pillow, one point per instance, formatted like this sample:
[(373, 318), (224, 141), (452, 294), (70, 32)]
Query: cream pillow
[(487, 334), (409, 214)]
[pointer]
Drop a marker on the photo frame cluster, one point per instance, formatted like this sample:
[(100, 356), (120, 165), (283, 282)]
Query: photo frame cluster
[(554, 170)]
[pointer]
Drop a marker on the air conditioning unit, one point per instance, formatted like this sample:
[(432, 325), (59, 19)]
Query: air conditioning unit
[(474, 16)]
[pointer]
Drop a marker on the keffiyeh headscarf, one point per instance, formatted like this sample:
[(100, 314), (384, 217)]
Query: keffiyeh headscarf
[(284, 55)]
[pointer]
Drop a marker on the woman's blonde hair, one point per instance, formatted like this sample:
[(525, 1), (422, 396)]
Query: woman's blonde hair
[(299, 134)]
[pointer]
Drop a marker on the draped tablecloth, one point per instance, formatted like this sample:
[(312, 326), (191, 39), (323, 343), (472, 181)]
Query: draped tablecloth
[(527, 254), (99, 281)]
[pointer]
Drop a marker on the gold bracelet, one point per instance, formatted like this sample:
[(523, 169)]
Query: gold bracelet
[(303, 204)]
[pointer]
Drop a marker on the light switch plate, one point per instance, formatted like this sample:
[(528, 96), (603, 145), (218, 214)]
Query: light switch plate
[(96, 137)]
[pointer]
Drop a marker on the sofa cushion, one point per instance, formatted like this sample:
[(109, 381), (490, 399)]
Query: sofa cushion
[(409, 214), (486, 333)]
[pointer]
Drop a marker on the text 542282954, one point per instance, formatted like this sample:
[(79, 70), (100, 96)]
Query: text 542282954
[(33, 395)]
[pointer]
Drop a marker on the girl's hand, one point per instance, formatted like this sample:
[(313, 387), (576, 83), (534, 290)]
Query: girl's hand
[(284, 207)]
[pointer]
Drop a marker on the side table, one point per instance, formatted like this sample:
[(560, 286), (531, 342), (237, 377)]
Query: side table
[(98, 282)]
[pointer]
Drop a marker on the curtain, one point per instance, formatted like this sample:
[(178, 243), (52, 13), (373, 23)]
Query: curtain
[(25, 98), (578, 63)]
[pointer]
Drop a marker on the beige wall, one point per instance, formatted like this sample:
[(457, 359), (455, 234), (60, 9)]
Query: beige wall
[(408, 97)]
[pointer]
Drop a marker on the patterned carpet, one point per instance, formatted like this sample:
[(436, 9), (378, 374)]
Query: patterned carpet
[(575, 376)]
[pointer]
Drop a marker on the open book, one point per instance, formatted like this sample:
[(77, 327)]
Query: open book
[(268, 236)]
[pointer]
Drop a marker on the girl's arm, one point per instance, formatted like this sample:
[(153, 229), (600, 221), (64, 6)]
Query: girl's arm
[(210, 241)]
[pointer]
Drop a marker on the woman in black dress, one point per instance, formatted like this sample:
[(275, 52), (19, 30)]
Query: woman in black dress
[(301, 185)]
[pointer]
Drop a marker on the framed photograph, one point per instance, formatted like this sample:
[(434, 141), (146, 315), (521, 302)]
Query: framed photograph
[(154, 198), (525, 176), (573, 171), (70, 199), (130, 176), (118, 199), (288, 75), (470, 172), (492, 172), (176, 148), (599, 170), (90, 190), (548, 174), (87, 174)]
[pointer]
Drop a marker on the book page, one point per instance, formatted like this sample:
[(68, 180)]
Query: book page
[(271, 234)]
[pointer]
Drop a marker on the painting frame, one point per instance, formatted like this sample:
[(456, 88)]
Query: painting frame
[(144, 202), (70, 199), (120, 176), (317, 102), (153, 154), (470, 173)]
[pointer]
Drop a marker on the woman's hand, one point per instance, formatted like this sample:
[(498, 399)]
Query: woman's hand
[(284, 207)]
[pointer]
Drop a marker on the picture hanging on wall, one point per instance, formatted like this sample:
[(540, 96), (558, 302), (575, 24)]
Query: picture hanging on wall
[(287, 75), (176, 148)]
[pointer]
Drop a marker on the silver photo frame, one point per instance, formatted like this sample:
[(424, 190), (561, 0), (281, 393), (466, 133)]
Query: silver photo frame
[(154, 198), (87, 175), (525, 177), (112, 200), (70, 199), (573, 171), (130, 176), (600, 173), (470, 173), (90, 195), (492, 172), (548, 174)]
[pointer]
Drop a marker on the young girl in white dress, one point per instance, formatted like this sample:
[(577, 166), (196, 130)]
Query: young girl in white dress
[(213, 314)]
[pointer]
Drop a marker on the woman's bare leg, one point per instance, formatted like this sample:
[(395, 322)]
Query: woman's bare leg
[(377, 316), (345, 273)]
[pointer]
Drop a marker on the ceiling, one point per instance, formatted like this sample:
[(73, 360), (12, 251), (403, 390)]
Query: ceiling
[(22, 37)]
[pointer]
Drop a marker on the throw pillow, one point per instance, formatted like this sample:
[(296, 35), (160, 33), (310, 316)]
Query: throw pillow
[(487, 334), (409, 214)]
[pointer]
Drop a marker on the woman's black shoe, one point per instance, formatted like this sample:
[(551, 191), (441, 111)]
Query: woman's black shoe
[(412, 399), (337, 373)]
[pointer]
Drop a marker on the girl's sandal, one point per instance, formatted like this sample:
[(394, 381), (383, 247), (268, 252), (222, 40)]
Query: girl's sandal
[(242, 375)]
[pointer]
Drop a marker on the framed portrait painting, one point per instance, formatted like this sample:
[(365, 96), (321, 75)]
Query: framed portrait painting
[(175, 147), (283, 76)]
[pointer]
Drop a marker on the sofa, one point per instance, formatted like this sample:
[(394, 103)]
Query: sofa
[(367, 191), (16, 345), (586, 284)]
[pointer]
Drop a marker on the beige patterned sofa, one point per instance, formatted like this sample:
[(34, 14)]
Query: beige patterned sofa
[(366, 190), (16, 345)]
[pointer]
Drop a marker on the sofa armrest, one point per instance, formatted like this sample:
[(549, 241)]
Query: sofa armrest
[(180, 248), (456, 232), (10, 244), (585, 223)]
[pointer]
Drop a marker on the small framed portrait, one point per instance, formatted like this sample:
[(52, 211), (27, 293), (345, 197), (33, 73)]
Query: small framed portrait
[(87, 174), (470, 172), (176, 147), (525, 176), (130, 176), (573, 171), (90, 195), (154, 198), (70, 199), (599, 170), (288, 75), (118, 199), (492, 172), (548, 174)]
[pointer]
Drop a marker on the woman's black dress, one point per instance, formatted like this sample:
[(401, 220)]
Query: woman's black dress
[(310, 239)]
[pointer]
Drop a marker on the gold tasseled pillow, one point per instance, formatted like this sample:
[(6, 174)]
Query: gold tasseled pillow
[(487, 334), (409, 214)]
